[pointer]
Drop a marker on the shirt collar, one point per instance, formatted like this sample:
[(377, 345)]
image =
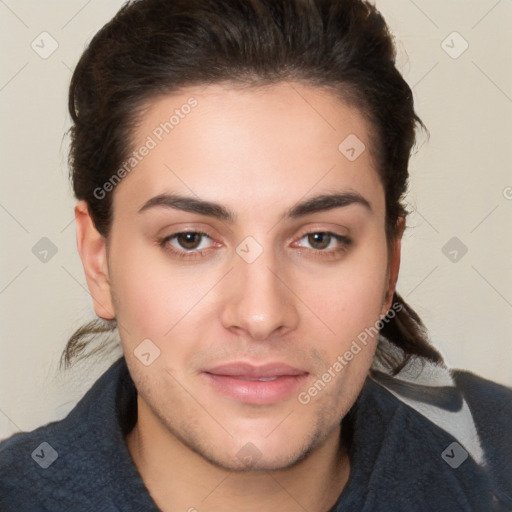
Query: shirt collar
[(397, 463)]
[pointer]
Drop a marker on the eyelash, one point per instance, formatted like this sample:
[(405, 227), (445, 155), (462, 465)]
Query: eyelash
[(194, 253), (183, 254)]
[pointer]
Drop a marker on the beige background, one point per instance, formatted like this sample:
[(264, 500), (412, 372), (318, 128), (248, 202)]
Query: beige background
[(461, 186)]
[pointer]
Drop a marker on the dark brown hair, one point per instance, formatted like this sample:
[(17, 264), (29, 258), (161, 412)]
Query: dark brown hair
[(155, 47)]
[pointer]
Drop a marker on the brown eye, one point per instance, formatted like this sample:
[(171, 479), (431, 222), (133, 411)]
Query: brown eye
[(319, 241), (325, 244), (187, 244), (189, 240)]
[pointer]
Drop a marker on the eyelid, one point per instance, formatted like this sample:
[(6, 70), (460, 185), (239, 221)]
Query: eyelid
[(342, 240), (200, 232), (176, 228), (183, 254), (332, 229), (324, 228)]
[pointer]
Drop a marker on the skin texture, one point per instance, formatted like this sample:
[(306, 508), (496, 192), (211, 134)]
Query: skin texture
[(257, 152)]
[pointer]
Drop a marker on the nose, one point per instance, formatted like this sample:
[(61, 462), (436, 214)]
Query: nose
[(258, 299)]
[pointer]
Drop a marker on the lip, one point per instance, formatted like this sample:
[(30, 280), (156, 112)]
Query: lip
[(239, 381)]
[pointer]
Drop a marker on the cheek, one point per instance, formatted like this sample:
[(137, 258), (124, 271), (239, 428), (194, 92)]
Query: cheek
[(349, 303), (150, 294), (350, 297)]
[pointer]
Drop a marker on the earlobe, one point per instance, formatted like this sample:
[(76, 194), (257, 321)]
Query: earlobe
[(394, 263), (93, 253)]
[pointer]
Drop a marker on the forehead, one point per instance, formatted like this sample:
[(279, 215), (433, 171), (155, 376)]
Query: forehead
[(265, 143)]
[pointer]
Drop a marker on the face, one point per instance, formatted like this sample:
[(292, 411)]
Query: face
[(247, 283)]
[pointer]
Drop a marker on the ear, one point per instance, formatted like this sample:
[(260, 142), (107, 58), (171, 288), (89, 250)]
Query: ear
[(93, 253), (394, 263)]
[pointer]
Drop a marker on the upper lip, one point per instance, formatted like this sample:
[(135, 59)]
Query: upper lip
[(242, 369)]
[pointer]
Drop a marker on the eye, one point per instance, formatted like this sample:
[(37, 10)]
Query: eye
[(186, 244), (320, 240), (189, 240), (326, 243)]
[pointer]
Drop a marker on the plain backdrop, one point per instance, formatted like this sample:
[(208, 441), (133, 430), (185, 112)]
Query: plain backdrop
[(456, 267)]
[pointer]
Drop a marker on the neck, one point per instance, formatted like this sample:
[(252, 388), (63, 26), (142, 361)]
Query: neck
[(180, 479)]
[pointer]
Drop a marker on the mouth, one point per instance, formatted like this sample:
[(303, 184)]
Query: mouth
[(257, 385)]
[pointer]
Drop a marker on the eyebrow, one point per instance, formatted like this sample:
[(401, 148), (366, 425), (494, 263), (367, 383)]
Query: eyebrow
[(315, 204)]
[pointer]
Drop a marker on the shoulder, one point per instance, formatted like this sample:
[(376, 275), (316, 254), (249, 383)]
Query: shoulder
[(46, 468), (473, 409), (450, 397), (30, 466), (490, 404), (483, 394), (475, 412)]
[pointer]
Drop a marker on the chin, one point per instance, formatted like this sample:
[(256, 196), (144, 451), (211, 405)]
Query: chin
[(260, 454), (250, 460)]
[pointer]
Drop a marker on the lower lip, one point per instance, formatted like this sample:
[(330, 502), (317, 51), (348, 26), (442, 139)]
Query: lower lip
[(257, 392)]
